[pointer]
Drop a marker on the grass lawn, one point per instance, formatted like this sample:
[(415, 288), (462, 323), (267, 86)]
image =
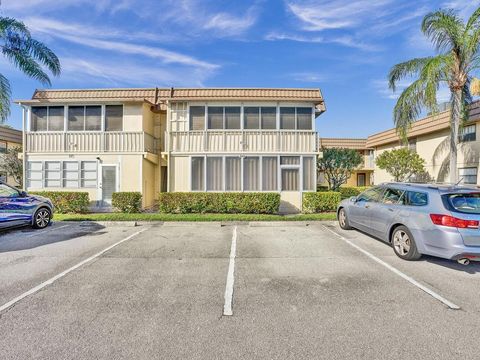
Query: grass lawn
[(191, 217)]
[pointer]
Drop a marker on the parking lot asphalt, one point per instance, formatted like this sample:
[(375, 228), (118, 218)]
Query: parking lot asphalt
[(299, 292)]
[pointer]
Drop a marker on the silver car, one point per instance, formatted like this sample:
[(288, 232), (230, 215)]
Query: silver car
[(416, 219)]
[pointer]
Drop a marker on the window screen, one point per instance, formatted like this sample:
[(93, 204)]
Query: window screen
[(304, 118), (39, 118), (287, 118), (215, 117), (3, 147), (251, 117), (197, 118), (468, 133), (290, 180), (232, 118), (214, 174), (309, 174), (251, 174), (56, 118), (197, 174), (113, 118), (76, 115), (93, 118), (233, 176), (269, 117), (270, 174)]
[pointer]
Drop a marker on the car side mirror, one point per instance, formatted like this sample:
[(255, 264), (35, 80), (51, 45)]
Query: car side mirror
[(354, 199), (23, 194)]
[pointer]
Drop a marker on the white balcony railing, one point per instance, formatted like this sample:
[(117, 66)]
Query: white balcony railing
[(242, 141), (78, 142)]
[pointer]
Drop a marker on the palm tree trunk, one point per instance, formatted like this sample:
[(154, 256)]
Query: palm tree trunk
[(454, 127)]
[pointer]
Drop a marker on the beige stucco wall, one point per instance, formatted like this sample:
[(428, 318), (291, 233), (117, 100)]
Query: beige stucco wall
[(149, 186), (133, 117), (179, 173)]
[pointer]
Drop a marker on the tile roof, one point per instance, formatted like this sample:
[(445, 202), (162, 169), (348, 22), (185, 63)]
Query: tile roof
[(357, 144), (10, 135), (263, 94)]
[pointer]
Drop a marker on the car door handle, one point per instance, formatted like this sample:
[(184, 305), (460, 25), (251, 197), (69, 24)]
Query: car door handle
[(390, 209), (367, 206)]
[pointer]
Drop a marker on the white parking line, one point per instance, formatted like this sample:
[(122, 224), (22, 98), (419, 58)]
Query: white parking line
[(36, 233), (398, 272), (228, 306), (62, 274)]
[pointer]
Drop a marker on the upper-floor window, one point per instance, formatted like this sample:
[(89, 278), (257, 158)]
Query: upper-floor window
[(47, 118), (299, 118), (197, 117), (220, 117), (468, 133), (3, 147), (412, 144), (113, 117), (85, 118), (256, 117)]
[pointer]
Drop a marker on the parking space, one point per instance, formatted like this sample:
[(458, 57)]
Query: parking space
[(159, 292)]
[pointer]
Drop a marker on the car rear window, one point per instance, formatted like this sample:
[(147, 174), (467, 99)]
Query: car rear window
[(465, 203)]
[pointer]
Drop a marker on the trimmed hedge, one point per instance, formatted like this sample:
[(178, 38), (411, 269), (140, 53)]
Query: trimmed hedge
[(127, 202), (314, 202), (67, 202), (225, 203), (349, 191)]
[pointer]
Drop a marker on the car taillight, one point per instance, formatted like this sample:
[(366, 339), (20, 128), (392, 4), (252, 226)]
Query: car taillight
[(451, 221)]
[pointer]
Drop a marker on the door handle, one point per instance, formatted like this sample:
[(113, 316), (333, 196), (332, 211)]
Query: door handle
[(390, 209), (367, 206)]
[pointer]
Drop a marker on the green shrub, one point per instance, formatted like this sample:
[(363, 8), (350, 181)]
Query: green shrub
[(67, 202), (314, 202), (127, 202), (225, 203), (349, 191)]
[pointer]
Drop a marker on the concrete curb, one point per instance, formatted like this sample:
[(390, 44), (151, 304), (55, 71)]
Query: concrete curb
[(195, 223)]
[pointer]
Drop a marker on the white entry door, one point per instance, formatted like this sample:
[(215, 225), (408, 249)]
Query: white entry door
[(109, 183)]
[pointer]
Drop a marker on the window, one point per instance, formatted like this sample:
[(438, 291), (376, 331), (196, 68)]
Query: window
[(198, 174), (290, 180), (113, 117), (56, 118), (7, 191), (374, 194), (269, 118), (3, 176), (468, 175), (232, 118), (290, 160), (52, 174), (88, 178), (70, 174), (464, 203), (304, 118), (85, 118), (287, 118), (215, 117), (3, 147), (38, 118), (270, 173), (233, 174), (251, 117), (197, 117), (76, 118), (468, 133), (34, 174), (214, 174), (93, 118), (412, 144), (178, 116), (251, 173), (393, 196), (309, 174), (415, 198)]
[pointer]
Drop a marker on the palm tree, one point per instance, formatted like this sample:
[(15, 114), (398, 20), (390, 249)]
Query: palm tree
[(27, 54), (458, 57)]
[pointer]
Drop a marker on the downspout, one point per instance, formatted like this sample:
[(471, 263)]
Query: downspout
[(24, 149)]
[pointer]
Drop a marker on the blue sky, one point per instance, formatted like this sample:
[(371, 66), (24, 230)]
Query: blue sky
[(344, 47)]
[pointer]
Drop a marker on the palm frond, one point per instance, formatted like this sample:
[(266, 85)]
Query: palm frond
[(406, 69), (409, 107), (5, 94), (444, 28), (42, 53), (12, 25), (26, 64)]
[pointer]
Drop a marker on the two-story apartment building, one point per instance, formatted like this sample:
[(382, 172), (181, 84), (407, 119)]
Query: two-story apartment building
[(363, 175), (9, 139), (153, 140), (429, 137)]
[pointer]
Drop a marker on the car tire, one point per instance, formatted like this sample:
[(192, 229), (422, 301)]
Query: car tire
[(404, 245), (42, 218), (343, 219)]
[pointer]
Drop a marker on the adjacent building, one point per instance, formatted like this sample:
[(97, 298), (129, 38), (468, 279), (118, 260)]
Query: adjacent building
[(157, 140), (9, 139), (429, 137)]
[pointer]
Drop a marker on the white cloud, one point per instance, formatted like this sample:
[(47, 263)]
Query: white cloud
[(464, 7), (231, 25)]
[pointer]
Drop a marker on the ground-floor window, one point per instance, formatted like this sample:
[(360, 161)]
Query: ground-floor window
[(3, 176), (61, 174), (468, 175), (253, 173)]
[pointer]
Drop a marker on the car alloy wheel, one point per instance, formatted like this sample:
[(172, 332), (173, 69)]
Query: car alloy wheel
[(42, 219), (342, 218), (402, 242)]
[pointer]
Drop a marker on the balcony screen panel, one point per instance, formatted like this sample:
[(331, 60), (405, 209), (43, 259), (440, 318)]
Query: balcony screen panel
[(251, 174), (39, 118), (290, 160), (232, 118), (269, 172), (197, 118), (76, 118), (308, 173), (251, 117), (114, 118), (287, 118), (304, 118), (269, 118), (56, 118), (93, 118), (233, 169), (290, 180), (197, 174), (214, 174), (215, 117)]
